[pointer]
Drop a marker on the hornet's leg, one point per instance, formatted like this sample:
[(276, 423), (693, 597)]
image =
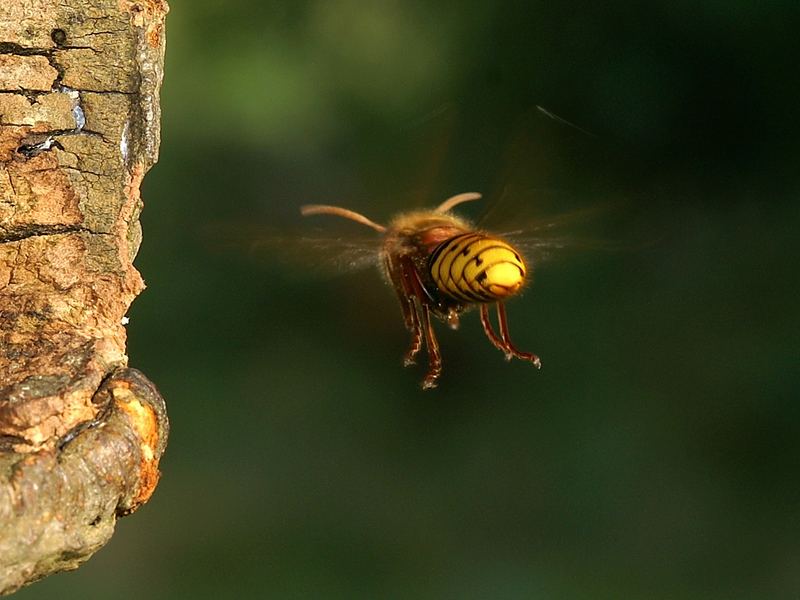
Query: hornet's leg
[(412, 312), (434, 356), (420, 300), (502, 319), (487, 328), (410, 356), (400, 277)]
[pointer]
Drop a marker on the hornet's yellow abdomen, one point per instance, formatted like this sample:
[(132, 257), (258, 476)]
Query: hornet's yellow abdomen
[(475, 267)]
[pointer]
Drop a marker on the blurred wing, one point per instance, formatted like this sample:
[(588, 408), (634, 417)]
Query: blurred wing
[(317, 254), (547, 226), (551, 248)]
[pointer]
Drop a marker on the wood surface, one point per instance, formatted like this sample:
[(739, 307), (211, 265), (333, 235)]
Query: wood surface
[(81, 433)]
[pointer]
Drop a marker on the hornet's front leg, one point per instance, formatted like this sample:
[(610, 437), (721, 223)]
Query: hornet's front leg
[(434, 356), (416, 309), (405, 293)]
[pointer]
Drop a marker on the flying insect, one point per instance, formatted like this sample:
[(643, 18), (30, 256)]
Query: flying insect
[(441, 265)]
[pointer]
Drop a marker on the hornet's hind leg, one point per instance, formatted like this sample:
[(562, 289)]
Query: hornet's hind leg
[(503, 342)]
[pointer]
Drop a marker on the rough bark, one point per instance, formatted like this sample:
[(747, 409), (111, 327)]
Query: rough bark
[(81, 434)]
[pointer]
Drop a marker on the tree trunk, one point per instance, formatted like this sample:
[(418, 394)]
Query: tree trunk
[(81, 434)]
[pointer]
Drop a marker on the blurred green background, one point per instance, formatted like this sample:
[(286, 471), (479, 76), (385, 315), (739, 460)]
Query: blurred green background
[(657, 452)]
